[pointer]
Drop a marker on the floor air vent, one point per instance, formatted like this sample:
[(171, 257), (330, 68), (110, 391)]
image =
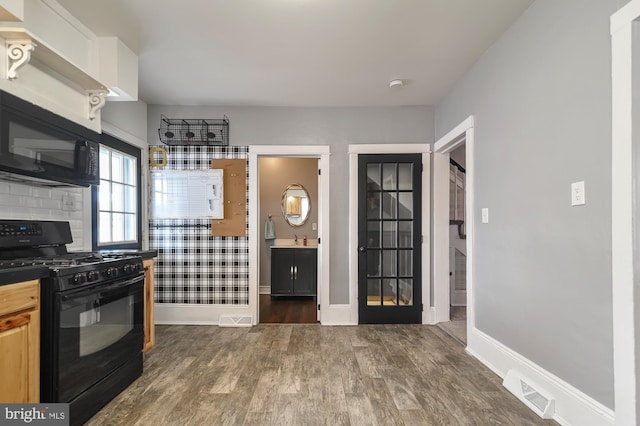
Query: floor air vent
[(235, 321), (530, 393)]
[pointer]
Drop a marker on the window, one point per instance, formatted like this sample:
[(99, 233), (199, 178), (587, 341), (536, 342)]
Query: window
[(116, 202)]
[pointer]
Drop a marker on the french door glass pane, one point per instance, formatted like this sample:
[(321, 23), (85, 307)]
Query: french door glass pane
[(405, 263), (405, 173), (405, 210), (389, 263), (389, 291), (390, 236), (373, 205), (389, 176), (389, 205), (373, 176), (373, 234), (405, 296), (373, 263), (405, 229), (373, 292)]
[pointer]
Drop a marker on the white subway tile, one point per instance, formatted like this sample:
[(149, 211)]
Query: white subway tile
[(43, 193), (19, 189), (48, 203)]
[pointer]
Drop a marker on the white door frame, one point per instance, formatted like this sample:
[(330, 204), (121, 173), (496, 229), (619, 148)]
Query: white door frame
[(624, 198), (461, 134), (354, 151), (307, 151)]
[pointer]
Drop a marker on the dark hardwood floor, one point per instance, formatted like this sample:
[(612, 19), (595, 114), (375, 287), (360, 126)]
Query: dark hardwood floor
[(287, 310)]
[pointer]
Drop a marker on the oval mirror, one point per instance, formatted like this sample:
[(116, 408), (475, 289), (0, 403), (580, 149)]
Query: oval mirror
[(295, 204)]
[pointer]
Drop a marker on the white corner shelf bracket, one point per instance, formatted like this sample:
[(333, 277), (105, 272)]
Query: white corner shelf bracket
[(19, 53), (97, 99)]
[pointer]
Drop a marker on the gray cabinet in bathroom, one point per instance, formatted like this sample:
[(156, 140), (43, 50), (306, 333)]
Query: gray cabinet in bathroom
[(294, 271)]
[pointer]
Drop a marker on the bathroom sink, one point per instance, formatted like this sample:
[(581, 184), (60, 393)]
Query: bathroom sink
[(291, 243)]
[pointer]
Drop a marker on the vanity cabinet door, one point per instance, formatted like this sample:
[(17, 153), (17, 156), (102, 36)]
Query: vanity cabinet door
[(305, 272), (282, 271)]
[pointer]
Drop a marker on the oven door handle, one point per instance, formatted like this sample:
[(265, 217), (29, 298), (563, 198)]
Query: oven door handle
[(103, 290)]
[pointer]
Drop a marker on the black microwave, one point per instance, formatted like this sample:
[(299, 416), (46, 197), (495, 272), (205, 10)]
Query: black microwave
[(38, 146)]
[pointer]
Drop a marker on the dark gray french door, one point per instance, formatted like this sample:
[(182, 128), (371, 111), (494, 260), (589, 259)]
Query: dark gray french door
[(390, 238)]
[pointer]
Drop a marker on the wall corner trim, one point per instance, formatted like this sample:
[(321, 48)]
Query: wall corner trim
[(573, 407)]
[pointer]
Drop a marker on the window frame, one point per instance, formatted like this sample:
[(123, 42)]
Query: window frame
[(114, 143)]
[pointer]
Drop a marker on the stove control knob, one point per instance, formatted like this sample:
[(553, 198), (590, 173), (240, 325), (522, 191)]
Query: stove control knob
[(92, 275), (127, 268), (80, 278), (112, 272)]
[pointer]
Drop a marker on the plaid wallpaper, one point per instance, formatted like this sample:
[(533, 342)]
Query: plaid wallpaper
[(192, 266)]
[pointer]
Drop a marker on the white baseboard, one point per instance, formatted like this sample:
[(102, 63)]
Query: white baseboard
[(336, 315), (429, 316), (187, 314), (572, 407), (265, 289)]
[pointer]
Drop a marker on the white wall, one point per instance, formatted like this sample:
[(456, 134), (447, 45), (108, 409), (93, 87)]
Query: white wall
[(541, 98), (336, 127)]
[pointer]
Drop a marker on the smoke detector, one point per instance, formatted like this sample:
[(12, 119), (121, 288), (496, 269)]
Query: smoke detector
[(396, 83)]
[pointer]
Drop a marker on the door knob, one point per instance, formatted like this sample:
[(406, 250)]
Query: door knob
[(362, 248)]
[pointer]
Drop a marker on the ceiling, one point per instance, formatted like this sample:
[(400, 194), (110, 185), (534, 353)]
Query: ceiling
[(299, 52)]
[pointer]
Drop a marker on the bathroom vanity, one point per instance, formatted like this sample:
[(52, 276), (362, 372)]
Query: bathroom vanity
[(294, 270)]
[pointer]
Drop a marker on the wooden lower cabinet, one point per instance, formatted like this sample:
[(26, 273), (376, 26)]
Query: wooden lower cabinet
[(149, 325), (20, 342)]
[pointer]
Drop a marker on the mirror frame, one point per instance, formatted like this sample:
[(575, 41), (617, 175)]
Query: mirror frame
[(283, 204)]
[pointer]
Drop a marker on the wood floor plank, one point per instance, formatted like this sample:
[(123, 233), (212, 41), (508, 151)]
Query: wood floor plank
[(306, 374)]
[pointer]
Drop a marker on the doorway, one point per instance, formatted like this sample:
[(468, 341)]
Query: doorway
[(447, 298), (457, 324), (257, 227), (390, 234), (288, 199)]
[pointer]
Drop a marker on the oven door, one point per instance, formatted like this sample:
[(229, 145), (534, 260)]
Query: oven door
[(101, 328)]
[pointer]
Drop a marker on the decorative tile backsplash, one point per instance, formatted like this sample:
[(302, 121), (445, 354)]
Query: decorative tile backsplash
[(27, 202), (192, 266)]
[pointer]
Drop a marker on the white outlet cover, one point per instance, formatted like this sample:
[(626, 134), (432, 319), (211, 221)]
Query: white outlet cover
[(485, 215), (577, 194)]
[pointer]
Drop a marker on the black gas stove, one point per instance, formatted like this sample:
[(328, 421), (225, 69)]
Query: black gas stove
[(31, 243), (74, 270), (92, 309)]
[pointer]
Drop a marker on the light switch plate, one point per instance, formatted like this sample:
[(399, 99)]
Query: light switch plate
[(314, 226), (577, 194), (485, 215)]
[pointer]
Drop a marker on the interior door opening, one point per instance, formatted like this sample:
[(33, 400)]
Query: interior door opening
[(288, 239)]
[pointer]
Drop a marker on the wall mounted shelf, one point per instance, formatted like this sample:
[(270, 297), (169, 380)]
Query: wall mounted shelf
[(23, 47), (49, 57), (179, 131)]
